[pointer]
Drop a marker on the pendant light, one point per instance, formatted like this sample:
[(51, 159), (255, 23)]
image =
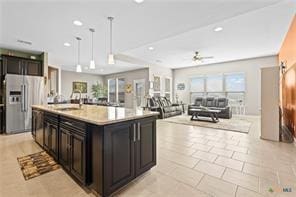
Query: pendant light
[(78, 67), (111, 55), (92, 64)]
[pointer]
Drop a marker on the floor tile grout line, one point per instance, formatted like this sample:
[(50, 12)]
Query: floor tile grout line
[(200, 179), (196, 164), (223, 173), (240, 185), (236, 190)]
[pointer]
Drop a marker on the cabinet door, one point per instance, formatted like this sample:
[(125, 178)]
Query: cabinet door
[(32, 68), (78, 156), (39, 128), (145, 145), (118, 156), (33, 128), (64, 147), (53, 145), (1, 120), (46, 132), (12, 65)]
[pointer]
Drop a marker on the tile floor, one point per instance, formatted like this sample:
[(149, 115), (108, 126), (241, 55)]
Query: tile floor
[(192, 161)]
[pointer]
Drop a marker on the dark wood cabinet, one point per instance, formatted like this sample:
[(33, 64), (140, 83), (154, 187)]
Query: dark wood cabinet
[(53, 148), (130, 150), (12, 65), (119, 158), (51, 136), (77, 156), (64, 148), (73, 149), (101, 157), (145, 145), (32, 68), (21, 66), (37, 127), (1, 119)]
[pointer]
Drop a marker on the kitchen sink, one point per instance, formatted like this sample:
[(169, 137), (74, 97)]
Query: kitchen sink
[(67, 108)]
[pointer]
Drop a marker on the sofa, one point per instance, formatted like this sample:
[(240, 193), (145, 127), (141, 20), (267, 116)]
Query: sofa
[(212, 103), (164, 106)]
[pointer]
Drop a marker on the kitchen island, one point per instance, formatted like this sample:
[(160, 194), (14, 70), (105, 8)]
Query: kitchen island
[(102, 148)]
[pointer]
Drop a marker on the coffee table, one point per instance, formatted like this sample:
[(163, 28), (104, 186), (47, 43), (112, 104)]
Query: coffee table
[(211, 114)]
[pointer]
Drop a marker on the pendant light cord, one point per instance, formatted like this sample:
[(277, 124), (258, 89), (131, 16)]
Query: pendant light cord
[(79, 52), (92, 45), (78, 48), (111, 19)]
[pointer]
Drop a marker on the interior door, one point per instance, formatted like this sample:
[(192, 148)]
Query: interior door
[(139, 93)]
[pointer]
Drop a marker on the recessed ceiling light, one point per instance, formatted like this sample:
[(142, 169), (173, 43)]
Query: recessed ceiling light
[(150, 48), (67, 44), (78, 23), (139, 1), (218, 29)]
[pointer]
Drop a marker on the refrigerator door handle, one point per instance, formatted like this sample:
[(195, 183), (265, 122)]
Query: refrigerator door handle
[(23, 98)]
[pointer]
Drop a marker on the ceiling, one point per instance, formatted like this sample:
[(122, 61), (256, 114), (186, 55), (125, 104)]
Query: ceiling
[(175, 29)]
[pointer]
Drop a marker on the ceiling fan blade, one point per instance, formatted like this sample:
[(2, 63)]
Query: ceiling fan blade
[(209, 57)]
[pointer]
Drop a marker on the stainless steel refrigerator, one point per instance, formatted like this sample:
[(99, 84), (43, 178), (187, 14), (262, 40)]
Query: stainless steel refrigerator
[(22, 91)]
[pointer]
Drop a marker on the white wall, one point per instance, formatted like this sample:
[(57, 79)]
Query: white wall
[(129, 77), (68, 77), (251, 68), (163, 73)]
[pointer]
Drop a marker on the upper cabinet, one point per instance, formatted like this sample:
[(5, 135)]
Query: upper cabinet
[(21, 66)]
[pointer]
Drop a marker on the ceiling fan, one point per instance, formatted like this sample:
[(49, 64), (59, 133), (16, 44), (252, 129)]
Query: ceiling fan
[(198, 58)]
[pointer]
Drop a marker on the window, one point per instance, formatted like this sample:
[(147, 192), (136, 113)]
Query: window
[(216, 94), (236, 98), (121, 90), (112, 90), (197, 84), (116, 90), (214, 83), (235, 82), (231, 86), (156, 95), (194, 95), (167, 88), (156, 86)]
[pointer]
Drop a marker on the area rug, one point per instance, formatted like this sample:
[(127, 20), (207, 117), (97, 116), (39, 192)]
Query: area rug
[(237, 124), (37, 164)]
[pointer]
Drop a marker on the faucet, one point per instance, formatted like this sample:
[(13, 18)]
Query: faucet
[(80, 97), (58, 99)]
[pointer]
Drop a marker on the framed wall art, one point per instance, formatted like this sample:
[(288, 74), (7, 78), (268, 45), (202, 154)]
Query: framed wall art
[(80, 86)]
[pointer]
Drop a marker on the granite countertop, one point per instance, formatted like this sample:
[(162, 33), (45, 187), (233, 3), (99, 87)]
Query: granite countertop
[(98, 115)]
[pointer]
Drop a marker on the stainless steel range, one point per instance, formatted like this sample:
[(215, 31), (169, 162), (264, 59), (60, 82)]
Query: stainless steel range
[(22, 91)]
